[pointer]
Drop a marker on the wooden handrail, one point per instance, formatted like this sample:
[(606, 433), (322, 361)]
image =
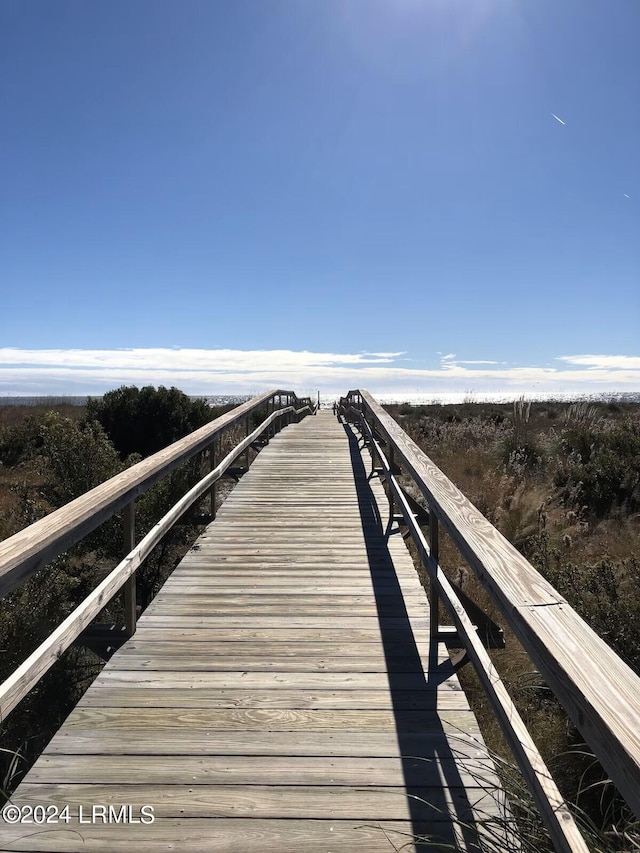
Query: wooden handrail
[(32, 548), (600, 693), (553, 808)]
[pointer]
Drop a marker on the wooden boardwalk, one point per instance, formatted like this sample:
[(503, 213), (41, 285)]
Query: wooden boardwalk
[(280, 693)]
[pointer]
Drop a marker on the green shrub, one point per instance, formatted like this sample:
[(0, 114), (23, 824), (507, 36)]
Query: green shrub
[(521, 457), (144, 420), (77, 457), (20, 441), (600, 469)]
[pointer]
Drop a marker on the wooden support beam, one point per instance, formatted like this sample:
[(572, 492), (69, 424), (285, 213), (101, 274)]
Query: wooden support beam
[(129, 589), (434, 545), (389, 489), (212, 466), (246, 433)]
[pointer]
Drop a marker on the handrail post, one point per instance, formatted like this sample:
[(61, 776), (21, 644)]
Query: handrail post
[(373, 453), (246, 433), (391, 459), (434, 548), (129, 588), (212, 465), (372, 443)]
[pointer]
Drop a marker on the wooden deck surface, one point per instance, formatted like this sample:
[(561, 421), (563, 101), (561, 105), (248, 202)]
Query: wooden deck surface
[(280, 693)]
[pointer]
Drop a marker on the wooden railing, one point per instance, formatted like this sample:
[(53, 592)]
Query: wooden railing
[(31, 549), (600, 693)]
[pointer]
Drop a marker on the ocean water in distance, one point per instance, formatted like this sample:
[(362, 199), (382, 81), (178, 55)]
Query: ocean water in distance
[(455, 397), (415, 399), (58, 400)]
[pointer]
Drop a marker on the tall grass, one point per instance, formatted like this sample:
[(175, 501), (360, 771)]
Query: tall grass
[(507, 820)]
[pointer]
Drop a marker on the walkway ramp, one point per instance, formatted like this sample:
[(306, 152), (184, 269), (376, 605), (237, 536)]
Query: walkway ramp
[(280, 693)]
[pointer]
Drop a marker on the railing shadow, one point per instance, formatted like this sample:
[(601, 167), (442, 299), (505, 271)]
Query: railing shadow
[(426, 753)]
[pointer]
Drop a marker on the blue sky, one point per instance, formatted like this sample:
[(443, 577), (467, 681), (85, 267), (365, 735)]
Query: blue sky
[(321, 194)]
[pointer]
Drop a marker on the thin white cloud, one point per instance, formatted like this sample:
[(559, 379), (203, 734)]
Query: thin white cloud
[(196, 371), (187, 359), (626, 195), (479, 362), (557, 118), (609, 362), (450, 361)]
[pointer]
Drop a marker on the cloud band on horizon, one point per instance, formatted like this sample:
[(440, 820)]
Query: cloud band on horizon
[(200, 371)]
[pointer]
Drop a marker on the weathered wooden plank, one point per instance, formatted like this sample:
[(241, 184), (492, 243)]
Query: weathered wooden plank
[(203, 662), (451, 721), (246, 680), (140, 697), (213, 601), (222, 835), (276, 538), (302, 650), (191, 566), (342, 545), (281, 801), (263, 770), (332, 522), (201, 570), (302, 623), (272, 586), (248, 611), (212, 598), (329, 559), (193, 741), (291, 635), (255, 575)]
